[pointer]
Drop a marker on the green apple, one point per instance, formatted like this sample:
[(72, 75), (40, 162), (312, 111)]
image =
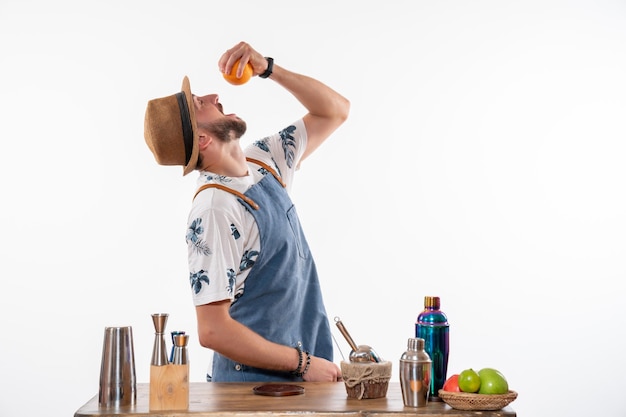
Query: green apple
[(492, 382), (469, 380)]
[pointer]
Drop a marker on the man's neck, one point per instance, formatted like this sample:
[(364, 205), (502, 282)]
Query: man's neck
[(231, 162)]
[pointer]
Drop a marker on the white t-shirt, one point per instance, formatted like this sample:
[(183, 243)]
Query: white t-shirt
[(222, 236)]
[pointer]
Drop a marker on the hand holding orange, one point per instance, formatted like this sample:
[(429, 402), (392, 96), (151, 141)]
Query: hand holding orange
[(245, 77)]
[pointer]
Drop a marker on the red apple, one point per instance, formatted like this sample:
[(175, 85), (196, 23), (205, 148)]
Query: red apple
[(452, 384)]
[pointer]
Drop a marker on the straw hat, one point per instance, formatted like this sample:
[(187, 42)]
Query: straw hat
[(171, 131)]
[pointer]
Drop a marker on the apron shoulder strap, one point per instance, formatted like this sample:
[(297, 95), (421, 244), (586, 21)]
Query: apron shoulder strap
[(270, 169), (229, 190), (237, 193)]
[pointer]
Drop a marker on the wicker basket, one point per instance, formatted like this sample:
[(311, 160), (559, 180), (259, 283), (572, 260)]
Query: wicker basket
[(482, 402)]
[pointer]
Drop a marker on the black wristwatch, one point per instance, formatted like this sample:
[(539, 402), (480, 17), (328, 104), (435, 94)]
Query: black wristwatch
[(270, 67)]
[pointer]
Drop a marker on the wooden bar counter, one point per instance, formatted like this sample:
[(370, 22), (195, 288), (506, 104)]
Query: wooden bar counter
[(327, 399)]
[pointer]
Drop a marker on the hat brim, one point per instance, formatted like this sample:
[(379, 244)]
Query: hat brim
[(193, 160)]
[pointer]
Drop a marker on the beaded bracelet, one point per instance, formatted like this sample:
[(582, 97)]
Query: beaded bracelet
[(308, 363), (300, 360)]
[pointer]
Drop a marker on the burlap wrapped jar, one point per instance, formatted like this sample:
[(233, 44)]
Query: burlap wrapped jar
[(366, 379)]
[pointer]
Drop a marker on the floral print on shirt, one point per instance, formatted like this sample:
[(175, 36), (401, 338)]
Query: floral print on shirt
[(281, 151)]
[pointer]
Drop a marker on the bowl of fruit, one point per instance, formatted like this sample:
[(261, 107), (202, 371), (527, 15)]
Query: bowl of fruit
[(485, 390)]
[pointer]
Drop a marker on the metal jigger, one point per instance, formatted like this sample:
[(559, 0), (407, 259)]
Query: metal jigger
[(159, 353), (174, 333), (180, 349)]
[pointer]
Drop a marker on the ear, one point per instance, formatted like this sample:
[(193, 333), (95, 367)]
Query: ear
[(204, 140)]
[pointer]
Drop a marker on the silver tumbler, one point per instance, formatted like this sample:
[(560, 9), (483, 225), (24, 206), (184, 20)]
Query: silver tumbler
[(118, 385), (415, 373)]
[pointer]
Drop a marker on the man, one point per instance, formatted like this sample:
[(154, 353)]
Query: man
[(254, 283)]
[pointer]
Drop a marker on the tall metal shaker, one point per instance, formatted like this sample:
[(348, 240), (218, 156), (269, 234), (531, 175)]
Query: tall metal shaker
[(432, 326), (415, 374), (118, 383)]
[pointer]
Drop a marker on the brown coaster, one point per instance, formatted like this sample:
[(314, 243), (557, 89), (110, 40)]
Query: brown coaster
[(278, 390)]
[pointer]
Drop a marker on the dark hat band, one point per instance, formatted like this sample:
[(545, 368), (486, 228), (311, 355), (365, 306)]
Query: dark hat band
[(185, 118)]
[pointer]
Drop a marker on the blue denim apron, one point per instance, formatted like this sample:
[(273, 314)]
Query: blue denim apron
[(282, 300)]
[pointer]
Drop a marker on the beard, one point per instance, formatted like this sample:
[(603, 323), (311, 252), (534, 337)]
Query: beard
[(227, 129)]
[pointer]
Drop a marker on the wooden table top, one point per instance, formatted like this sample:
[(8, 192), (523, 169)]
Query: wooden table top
[(328, 399)]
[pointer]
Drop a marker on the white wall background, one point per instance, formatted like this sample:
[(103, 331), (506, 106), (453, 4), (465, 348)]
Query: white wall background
[(483, 162)]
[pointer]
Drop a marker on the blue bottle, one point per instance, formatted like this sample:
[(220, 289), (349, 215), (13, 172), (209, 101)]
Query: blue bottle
[(432, 326)]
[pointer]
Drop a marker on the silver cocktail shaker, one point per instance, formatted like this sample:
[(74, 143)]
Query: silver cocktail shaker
[(118, 384), (415, 374)]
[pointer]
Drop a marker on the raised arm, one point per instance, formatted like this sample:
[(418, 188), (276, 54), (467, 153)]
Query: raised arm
[(327, 109)]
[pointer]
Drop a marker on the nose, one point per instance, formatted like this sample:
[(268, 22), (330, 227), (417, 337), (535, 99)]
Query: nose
[(211, 98)]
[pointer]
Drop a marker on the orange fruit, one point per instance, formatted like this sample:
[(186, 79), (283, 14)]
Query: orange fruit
[(245, 77)]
